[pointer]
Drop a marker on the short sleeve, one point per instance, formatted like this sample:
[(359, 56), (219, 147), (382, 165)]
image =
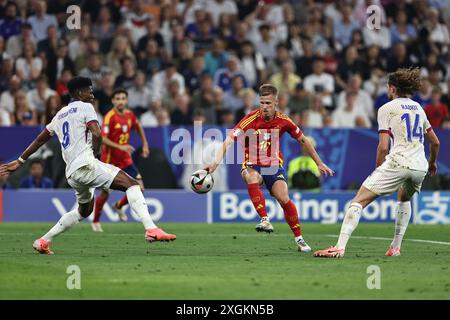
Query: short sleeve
[(293, 130), (134, 121), (240, 127), (426, 124), (106, 125), (51, 127), (90, 114), (383, 121)]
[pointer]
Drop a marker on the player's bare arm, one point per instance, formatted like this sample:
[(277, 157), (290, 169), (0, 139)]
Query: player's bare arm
[(383, 148), (12, 166), (96, 137), (219, 155), (145, 147), (434, 150), (124, 147), (315, 156)]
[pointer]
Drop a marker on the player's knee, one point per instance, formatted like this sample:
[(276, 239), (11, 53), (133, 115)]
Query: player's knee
[(282, 199)]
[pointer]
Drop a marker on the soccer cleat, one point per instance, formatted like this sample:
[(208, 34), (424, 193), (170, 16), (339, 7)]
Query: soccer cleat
[(96, 227), (302, 245), (122, 216), (331, 252), (393, 252), (264, 225), (157, 234), (42, 246)]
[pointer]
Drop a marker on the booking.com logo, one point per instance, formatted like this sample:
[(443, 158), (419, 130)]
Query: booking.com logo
[(202, 147)]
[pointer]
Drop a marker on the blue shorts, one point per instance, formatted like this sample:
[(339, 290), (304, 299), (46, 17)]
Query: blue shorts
[(132, 171), (270, 178)]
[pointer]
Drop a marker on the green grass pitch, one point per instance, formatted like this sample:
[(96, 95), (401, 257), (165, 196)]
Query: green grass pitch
[(222, 261)]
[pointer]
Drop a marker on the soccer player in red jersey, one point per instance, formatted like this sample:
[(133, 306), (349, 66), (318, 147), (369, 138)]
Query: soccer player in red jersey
[(259, 132), (116, 128)]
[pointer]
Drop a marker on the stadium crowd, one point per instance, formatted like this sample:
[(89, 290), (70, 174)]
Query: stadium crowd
[(205, 59)]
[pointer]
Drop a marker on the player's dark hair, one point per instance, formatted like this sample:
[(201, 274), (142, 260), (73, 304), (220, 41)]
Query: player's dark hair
[(405, 80), (267, 90), (78, 83), (119, 91)]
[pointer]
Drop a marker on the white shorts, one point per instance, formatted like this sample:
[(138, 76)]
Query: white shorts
[(385, 180), (89, 177)]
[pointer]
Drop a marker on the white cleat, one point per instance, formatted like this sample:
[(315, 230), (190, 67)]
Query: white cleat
[(122, 216), (302, 245), (264, 225), (96, 227)]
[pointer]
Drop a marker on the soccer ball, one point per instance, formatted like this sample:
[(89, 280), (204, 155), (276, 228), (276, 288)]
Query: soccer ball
[(201, 181)]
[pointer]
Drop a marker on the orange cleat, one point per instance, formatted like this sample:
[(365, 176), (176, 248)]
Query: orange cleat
[(392, 252), (331, 252), (157, 234), (42, 246)]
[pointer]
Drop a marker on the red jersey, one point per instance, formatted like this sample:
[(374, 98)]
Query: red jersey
[(261, 139), (116, 127), (436, 114)]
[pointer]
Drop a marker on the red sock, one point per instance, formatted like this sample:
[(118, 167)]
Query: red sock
[(257, 198), (122, 202), (99, 203), (291, 216)]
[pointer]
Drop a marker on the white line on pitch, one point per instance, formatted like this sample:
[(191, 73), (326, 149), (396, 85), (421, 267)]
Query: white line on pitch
[(390, 239)]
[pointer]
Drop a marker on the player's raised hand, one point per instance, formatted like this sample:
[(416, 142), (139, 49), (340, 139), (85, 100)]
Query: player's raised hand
[(432, 168), (145, 151), (127, 148), (325, 170), (7, 168)]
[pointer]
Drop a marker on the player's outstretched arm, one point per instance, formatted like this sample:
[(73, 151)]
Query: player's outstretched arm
[(141, 132), (40, 140), (434, 150), (219, 155), (96, 137), (383, 148), (315, 156)]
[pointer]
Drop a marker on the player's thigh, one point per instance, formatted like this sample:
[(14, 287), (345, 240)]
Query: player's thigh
[(280, 191), (384, 181), (412, 185), (250, 175)]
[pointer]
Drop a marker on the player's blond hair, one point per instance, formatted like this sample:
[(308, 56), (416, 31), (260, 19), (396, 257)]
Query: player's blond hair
[(268, 89), (405, 80)]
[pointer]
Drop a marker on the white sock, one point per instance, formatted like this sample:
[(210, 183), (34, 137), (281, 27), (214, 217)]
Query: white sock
[(68, 220), (297, 239), (350, 223), (137, 203), (401, 222)]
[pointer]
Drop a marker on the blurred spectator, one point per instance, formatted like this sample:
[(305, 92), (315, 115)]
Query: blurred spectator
[(104, 27), (217, 7), (152, 62), (148, 119), (37, 98), (104, 92), (445, 99), (364, 102), (239, 37), (217, 57), (162, 78), (423, 96), (182, 115), (357, 41), (438, 32), (294, 40), (205, 38), (320, 83), (7, 97), (314, 117), (79, 44), (282, 55), (94, 70), (192, 29), (6, 72), (285, 80), (10, 25), (90, 47), (399, 59), (203, 97), (186, 10), (350, 65), (394, 7), (29, 66), (23, 114), (225, 26), (266, 45), (139, 95), (252, 64), (168, 100), (380, 37), (350, 115), (125, 79), (57, 62), (36, 178), (183, 60), (5, 118), (41, 20), (233, 99), (283, 102), (248, 97), (52, 106), (136, 19), (301, 100), (436, 111), (50, 42), (151, 34), (120, 50), (227, 118), (14, 45), (343, 28), (224, 76), (401, 30), (193, 75), (303, 65)]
